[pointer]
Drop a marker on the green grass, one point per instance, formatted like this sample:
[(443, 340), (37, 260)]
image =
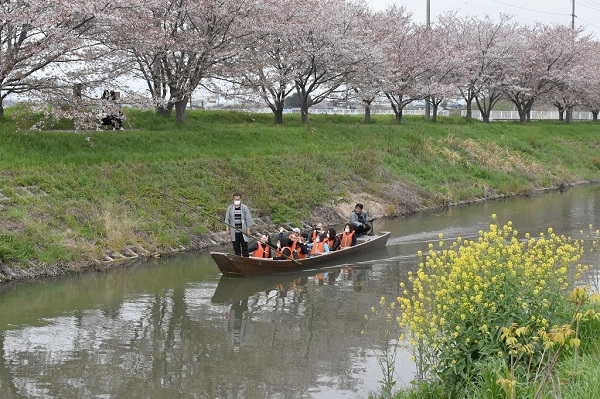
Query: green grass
[(585, 384), (74, 195)]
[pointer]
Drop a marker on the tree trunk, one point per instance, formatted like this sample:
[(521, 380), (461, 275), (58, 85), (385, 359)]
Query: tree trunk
[(304, 115), (277, 107), (1, 108), (522, 113), (368, 113), (485, 116), (180, 110), (399, 115), (279, 116), (304, 104), (162, 111), (569, 115), (469, 114), (434, 109), (594, 115), (561, 114)]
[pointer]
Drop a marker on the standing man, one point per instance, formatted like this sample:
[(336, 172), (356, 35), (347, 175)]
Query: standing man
[(359, 219), (238, 218)]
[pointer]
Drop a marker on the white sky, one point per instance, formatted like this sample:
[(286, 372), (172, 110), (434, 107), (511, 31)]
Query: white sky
[(587, 12)]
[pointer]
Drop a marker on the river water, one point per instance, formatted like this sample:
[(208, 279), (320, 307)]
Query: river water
[(174, 328)]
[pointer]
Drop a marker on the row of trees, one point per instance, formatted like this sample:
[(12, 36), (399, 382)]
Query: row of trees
[(318, 49)]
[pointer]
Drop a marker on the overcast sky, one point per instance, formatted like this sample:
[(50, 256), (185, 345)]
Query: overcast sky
[(587, 12)]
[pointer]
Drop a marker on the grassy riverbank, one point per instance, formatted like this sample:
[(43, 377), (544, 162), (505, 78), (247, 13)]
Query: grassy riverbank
[(69, 200)]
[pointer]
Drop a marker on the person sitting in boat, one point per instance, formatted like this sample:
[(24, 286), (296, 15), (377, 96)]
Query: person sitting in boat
[(302, 246), (294, 236), (359, 219), (284, 250), (348, 237), (262, 248), (317, 230), (333, 241), (319, 246)]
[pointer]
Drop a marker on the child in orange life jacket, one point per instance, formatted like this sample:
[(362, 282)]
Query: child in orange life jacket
[(262, 248), (319, 246), (333, 241), (348, 237)]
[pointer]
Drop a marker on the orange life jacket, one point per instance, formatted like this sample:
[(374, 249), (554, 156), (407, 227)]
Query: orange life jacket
[(262, 251), (280, 253), (346, 239), (318, 248)]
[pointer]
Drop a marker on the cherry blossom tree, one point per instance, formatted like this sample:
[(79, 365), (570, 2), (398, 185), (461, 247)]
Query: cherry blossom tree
[(403, 52), (441, 63), (37, 35), (569, 93), (572, 89), (178, 44), (480, 45), (265, 66), (329, 45), (591, 75), (542, 61), (366, 82)]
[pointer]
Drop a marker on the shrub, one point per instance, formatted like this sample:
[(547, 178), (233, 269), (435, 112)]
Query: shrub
[(461, 298)]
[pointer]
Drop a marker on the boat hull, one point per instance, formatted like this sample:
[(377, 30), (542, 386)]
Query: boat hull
[(234, 265)]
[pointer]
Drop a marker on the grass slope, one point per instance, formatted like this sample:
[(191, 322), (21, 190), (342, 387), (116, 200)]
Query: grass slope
[(68, 199)]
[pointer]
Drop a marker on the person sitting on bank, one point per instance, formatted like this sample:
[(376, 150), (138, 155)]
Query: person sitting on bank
[(284, 251), (262, 248), (317, 230), (348, 237), (359, 219), (319, 246), (333, 241)]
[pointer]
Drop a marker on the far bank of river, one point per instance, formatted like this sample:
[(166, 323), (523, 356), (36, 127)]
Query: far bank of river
[(78, 201)]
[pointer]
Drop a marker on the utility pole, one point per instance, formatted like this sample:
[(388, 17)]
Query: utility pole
[(429, 12), (428, 20), (572, 15)]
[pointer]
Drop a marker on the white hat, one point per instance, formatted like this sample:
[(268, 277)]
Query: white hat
[(296, 230)]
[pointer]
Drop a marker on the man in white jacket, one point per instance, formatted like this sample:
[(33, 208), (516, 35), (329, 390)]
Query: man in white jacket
[(238, 220)]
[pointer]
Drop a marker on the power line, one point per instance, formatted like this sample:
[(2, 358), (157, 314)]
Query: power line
[(589, 23), (530, 9), (590, 5), (595, 3)]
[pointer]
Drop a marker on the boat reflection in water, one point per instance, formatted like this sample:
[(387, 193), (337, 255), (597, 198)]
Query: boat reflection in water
[(278, 293)]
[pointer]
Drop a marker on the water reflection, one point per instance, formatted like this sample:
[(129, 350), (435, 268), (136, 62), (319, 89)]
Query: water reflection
[(251, 298)]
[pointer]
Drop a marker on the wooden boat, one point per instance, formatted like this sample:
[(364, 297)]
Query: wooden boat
[(231, 264)]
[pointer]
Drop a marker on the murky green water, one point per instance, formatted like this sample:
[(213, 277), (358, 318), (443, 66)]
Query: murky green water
[(175, 328)]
